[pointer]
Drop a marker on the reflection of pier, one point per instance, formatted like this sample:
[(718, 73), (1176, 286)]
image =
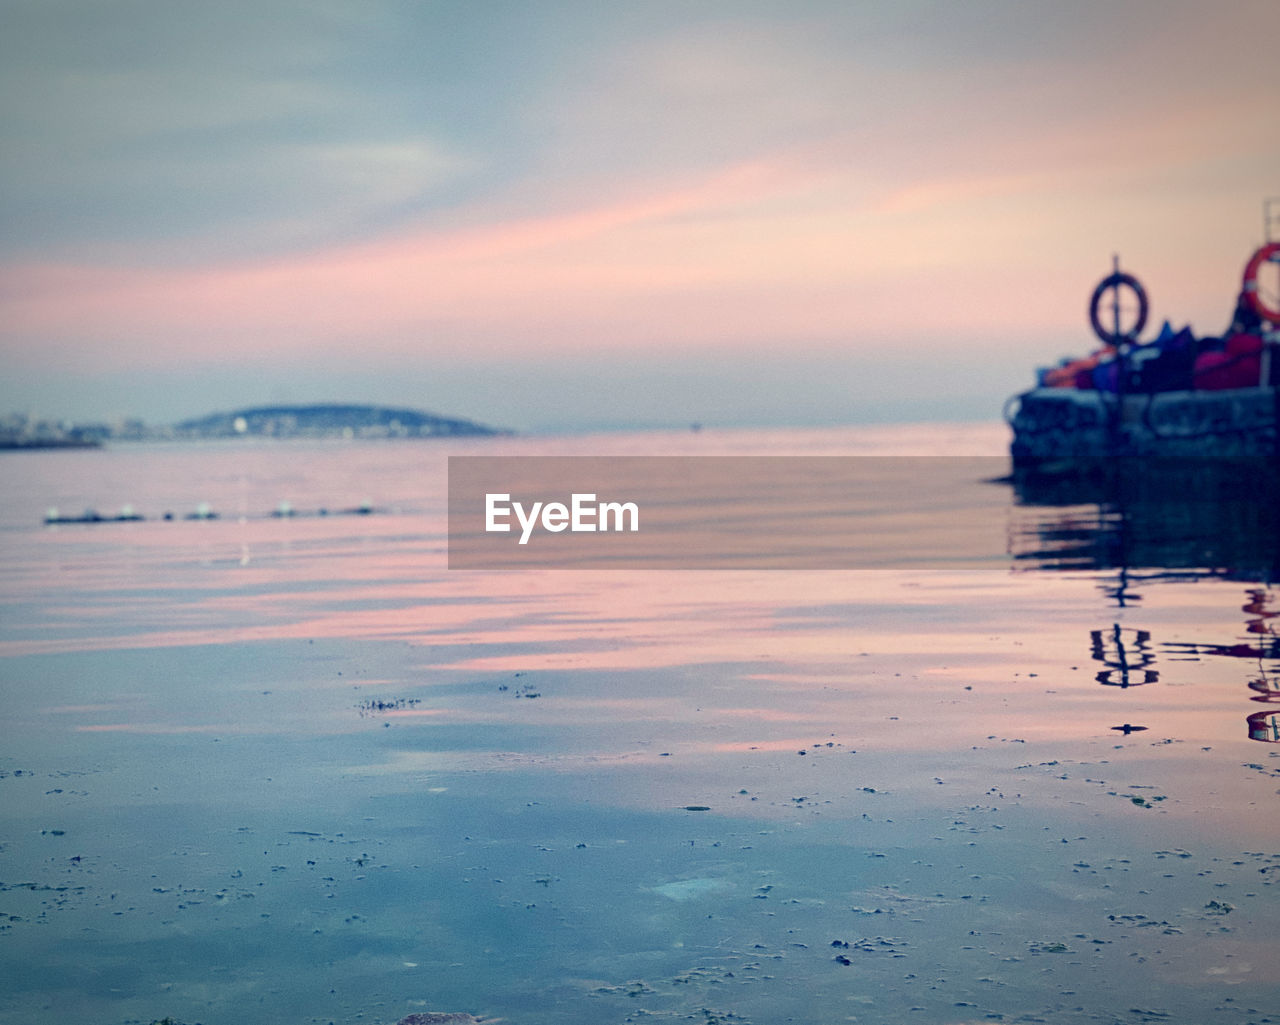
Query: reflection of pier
[(1269, 649), (1258, 607), (1126, 660), (1265, 651), (1164, 523), (1129, 657)]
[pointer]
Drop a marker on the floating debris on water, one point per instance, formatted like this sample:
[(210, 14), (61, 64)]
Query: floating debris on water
[(375, 705)]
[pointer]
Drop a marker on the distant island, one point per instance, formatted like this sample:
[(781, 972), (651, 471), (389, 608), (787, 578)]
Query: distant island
[(330, 420)]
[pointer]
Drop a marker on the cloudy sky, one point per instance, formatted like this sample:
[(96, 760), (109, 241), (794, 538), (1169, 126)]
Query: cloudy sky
[(566, 215)]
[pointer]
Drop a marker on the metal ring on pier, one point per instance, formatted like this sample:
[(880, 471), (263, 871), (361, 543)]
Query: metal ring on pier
[(1117, 280)]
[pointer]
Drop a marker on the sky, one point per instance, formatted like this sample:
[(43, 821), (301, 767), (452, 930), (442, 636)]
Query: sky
[(581, 215)]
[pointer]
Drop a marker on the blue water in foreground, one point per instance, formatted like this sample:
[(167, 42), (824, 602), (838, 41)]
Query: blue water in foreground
[(263, 769)]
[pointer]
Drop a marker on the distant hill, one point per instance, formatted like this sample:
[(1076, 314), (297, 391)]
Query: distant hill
[(328, 421)]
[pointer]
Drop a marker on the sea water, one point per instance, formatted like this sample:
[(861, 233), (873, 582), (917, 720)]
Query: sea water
[(283, 765)]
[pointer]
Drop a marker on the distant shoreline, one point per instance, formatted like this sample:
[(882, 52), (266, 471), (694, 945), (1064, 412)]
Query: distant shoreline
[(26, 445), (323, 420)]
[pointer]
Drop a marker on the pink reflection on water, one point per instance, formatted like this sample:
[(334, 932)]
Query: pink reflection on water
[(776, 745), (912, 669), (842, 647)]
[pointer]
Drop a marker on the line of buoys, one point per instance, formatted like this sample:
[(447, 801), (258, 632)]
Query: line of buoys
[(125, 515), (285, 510), (203, 511)]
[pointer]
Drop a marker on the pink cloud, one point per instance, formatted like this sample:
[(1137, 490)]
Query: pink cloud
[(529, 271), (844, 241)]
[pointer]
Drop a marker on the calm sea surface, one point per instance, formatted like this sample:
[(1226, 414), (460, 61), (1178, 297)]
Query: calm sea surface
[(292, 769)]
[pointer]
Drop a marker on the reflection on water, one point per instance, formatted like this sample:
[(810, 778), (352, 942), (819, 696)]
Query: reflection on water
[(1201, 521), (1262, 649), (1128, 660), (1265, 726), (272, 769), (1139, 527)]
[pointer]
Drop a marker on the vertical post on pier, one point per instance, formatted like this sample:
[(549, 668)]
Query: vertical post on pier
[(1270, 333), (1121, 360)]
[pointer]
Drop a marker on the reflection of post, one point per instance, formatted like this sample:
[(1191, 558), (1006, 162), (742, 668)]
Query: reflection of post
[(1123, 671), (1121, 362)]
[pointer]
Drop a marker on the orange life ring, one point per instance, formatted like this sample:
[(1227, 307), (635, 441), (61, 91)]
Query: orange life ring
[(1270, 253)]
